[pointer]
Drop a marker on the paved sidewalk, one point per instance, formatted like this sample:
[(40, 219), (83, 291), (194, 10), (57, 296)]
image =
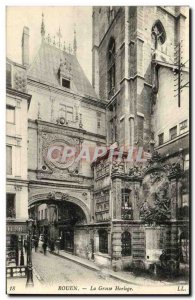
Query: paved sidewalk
[(126, 277), (81, 261)]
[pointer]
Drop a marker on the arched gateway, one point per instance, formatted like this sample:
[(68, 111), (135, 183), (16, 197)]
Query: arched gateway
[(59, 197), (60, 217)]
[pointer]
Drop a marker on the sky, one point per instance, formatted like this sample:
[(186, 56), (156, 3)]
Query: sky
[(67, 18)]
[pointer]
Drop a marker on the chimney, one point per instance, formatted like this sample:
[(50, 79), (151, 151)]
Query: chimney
[(25, 46)]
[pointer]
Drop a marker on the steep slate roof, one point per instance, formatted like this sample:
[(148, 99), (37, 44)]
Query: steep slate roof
[(46, 65)]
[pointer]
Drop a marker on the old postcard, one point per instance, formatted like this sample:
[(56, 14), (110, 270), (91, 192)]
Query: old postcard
[(97, 146)]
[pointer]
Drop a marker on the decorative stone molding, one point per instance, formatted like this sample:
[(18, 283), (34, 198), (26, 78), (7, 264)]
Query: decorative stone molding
[(118, 167), (65, 69), (20, 81), (18, 188), (156, 163), (18, 141), (48, 136)]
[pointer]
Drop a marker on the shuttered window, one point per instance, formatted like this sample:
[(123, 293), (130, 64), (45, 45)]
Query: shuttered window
[(10, 114), (9, 160), (8, 75), (10, 206), (126, 244)]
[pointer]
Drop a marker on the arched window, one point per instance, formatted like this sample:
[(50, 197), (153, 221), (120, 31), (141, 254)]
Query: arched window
[(126, 243), (184, 244), (111, 66), (158, 34), (126, 208), (103, 241), (111, 13)]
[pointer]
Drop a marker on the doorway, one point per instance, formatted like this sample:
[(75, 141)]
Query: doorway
[(68, 240)]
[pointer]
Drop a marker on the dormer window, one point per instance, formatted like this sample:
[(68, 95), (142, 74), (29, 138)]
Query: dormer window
[(64, 73), (65, 83)]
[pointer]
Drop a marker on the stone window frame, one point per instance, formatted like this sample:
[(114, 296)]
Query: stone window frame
[(113, 122), (103, 241), (183, 126), (161, 139), (126, 245), (126, 211), (9, 160), (64, 79), (99, 119), (184, 246), (173, 132), (13, 109), (11, 213), (111, 67), (8, 75), (64, 112)]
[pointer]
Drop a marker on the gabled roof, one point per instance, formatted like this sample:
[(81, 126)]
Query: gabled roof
[(46, 64)]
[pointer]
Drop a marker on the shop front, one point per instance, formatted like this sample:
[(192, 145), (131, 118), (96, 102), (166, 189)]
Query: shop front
[(16, 248)]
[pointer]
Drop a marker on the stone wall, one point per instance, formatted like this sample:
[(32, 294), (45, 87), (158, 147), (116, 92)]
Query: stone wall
[(46, 105), (117, 32), (81, 242), (167, 103)]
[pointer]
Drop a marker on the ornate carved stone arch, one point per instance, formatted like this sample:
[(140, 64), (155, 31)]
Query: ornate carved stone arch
[(82, 205), (151, 169), (59, 196)]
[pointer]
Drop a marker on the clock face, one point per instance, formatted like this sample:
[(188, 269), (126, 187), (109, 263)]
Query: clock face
[(60, 154)]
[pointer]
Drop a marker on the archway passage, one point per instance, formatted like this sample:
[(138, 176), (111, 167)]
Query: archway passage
[(56, 219), (57, 198), (69, 215)]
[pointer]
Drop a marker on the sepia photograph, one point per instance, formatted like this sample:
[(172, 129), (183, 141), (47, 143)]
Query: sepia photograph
[(97, 150)]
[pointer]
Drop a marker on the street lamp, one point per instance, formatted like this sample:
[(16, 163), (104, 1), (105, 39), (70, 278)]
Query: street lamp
[(29, 281), (22, 253)]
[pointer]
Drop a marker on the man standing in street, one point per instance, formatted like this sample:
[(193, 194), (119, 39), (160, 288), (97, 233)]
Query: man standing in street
[(44, 247)]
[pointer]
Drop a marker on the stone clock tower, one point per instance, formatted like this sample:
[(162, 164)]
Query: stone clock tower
[(135, 52)]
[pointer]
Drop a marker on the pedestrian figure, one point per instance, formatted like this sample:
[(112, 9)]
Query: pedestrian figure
[(44, 247), (58, 244), (52, 245), (36, 244), (25, 246)]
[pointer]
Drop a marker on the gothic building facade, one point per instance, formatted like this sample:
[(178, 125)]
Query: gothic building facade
[(117, 212), (65, 111), (142, 208)]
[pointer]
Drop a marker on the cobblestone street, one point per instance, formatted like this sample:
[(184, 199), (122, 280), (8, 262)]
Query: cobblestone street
[(55, 270)]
